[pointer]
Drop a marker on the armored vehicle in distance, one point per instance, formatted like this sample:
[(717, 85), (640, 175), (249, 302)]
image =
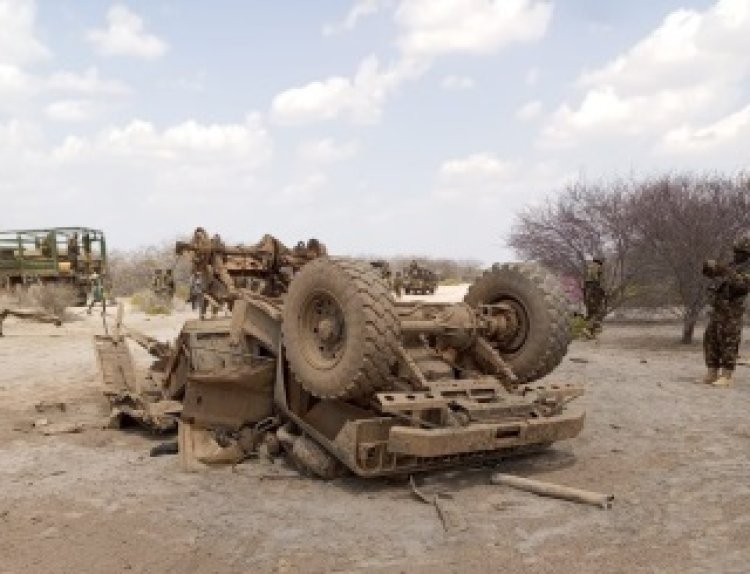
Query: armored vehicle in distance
[(419, 280)]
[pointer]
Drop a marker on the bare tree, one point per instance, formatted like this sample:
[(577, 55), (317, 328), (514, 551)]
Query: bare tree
[(682, 220), (585, 219), (132, 270), (655, 234)]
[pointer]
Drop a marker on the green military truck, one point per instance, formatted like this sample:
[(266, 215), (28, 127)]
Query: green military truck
[(419, 280), (57, 255)]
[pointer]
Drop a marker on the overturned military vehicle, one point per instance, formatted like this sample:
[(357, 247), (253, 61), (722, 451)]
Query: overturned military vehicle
[(317, 356)]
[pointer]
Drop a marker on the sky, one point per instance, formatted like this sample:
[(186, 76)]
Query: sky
[(382, 127)]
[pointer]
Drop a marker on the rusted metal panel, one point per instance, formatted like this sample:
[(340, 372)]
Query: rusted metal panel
[(230, 398), (115, 366), (482, 437)]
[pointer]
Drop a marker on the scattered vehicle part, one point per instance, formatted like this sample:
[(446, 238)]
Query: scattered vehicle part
[(555, 490), (39, 316)]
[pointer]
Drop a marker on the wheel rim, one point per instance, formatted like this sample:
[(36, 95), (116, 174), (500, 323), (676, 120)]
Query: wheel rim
[(323, 330), (514, 341)]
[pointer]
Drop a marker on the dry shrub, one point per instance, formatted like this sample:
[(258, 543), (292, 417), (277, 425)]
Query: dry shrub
[(579, 327), (132, 270), (53, 298), (147, 302)]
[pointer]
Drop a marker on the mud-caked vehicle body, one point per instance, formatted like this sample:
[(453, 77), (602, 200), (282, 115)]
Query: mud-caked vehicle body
[(341, 376)]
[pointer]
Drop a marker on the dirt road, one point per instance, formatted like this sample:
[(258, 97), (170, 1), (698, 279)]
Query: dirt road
[(675, 454)]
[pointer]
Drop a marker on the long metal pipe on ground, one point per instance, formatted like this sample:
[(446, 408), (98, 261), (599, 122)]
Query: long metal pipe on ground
[(554, 490)]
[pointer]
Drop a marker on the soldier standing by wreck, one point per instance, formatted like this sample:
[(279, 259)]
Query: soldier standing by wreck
[(169, 285), (196, 291), (97, 293), (728, 291), (157, 282), (594, 295), (398, 284)]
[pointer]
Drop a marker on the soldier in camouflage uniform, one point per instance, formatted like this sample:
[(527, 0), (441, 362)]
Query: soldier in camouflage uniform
[(398, 284), (97, 293), (729, 289), (594, 295)]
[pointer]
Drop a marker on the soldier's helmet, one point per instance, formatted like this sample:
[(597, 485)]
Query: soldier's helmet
[(742, 244), (598, 258)]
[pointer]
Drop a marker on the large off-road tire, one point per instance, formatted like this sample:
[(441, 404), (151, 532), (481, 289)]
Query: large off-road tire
[(340, 329), (541, 339)]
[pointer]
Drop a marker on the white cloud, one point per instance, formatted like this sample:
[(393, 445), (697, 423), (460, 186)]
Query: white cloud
[(89, 82), (17, 137), (427, 29), (726, 131), (693, 64), (71, 110), (179, 176), (478, 175), (474, 167), (327, 151), (302, 192), (189, 141), (14, 81), (491, 180), (360, 10), (434, 27), (125, 35), (18, 42), (457, 83), (604, 113), (529, 111), (360, 98)]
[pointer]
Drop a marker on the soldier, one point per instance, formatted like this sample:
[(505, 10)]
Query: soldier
[(316, 248), (196, 291), (728, 291), (87, 245), (97, 293), (594, 296), (48, 245), (156, 280), (73, 251), (169, 286), (157, 283), (398, 284)]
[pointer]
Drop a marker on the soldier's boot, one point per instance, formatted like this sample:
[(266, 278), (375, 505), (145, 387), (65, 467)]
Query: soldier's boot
[(725, 379), (710, 377)]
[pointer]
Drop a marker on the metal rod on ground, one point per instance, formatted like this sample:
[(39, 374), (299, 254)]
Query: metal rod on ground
[(554, 490)]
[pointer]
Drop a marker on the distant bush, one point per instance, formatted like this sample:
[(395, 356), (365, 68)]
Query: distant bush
[(182, 291), (579, 327), (132, 270), (53, 298), (147, 302)]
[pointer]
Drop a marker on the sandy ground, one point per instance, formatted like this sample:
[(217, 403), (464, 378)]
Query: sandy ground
[(675, 454)]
